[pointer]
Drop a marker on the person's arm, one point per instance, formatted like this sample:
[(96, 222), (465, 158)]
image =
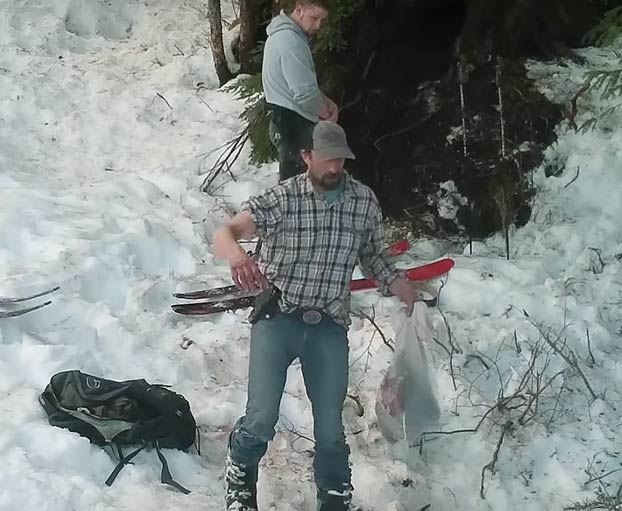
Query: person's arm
[(299, 74), (259, 215), (244, 269), (375, 261)]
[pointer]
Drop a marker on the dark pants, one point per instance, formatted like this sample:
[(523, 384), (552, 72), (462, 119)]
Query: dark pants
[(323, 353), (292, 134)]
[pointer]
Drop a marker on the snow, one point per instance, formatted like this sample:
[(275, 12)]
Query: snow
[(108, 110)]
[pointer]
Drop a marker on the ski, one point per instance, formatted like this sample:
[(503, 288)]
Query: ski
[(243, 299), (7, 300), (227, 292), (20, 312)]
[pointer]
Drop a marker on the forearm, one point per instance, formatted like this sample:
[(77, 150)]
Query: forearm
[(379, 266), (226, 237), (226, 244), (312, 103)]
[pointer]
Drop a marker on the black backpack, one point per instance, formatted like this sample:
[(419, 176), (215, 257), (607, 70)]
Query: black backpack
[(118, 414)]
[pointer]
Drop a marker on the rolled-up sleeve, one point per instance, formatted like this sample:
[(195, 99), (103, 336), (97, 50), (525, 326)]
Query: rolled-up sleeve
[(265, 211)]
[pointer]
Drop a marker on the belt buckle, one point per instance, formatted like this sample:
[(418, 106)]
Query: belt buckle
[(312, 317)]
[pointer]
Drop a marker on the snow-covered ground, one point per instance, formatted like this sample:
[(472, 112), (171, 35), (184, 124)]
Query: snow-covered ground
[(106, 111)]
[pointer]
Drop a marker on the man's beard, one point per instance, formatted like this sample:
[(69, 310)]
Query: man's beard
[(311, 34), (326, 183)]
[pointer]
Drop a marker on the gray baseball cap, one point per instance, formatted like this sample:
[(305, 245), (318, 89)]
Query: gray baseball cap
[(329, 141)]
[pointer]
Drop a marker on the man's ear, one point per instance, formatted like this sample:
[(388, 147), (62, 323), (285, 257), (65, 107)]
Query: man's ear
[(297, 9), (307, 157)]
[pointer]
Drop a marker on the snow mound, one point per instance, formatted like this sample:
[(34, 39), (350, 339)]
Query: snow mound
[(111, 19)]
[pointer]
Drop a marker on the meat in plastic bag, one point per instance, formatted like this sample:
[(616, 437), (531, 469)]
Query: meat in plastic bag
[(406, 405)]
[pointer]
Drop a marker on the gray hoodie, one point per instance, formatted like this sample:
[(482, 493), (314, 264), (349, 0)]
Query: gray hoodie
[(288, 72)]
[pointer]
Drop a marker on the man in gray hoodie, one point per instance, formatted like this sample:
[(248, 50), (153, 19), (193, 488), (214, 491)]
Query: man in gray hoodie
[(290, 83)]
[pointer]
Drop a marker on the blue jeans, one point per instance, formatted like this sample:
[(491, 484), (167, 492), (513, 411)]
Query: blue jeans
[(323, 353)]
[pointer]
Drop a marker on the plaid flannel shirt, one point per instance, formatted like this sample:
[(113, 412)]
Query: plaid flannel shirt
[(311, 247)]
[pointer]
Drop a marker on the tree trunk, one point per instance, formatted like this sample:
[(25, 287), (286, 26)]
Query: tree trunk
[(249, 21), (216, 43), (253, 13)]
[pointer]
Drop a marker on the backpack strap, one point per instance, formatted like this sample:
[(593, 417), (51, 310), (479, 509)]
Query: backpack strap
[(123, 460), (197, 444), (166, 477)]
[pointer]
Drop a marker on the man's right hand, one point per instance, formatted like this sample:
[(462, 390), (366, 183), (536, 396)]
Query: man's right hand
[(246, 273), (331, 110)]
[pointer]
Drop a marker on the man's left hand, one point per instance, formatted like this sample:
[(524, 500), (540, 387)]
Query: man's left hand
[(407, 291)]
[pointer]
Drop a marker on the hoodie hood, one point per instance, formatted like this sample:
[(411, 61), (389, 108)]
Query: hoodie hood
[(287, 69), (284, 22)]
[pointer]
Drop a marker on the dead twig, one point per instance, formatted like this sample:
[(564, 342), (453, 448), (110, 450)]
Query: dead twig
[(450, 354), (589, 346), (164, 99), (600, 478), (573, 105), (574, 178), (455, 346), (499, 68), (490, 466), (203, 101), (232, 150), (476, 357), (559, 394), (603, 501), (534, 397), (369, 63), (571, 359), (364, 315), (289, 427)]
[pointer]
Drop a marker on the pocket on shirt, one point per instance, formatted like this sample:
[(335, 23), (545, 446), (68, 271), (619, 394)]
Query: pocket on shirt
[(299, 241), (355, 232)]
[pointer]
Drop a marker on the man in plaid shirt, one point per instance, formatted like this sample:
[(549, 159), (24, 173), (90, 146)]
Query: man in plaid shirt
[(315, 227)]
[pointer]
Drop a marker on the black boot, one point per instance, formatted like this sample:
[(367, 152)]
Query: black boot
[(333, 500), (241, 486)]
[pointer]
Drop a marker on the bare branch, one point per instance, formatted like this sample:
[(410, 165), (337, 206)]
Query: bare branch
[(571, 359), (589, 346), (561, 389), (455, 347), (574, 178), (476, 357), (164, 99), (364, 315), (600, 478), (290, 428), (490, 466)]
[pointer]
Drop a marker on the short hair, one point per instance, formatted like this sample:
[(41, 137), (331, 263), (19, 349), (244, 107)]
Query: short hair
[(324, 4)]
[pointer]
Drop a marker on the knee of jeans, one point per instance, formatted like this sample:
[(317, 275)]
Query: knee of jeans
[(260, 425)]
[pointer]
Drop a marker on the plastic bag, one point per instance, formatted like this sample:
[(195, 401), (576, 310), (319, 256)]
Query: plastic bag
[(405, 404)]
